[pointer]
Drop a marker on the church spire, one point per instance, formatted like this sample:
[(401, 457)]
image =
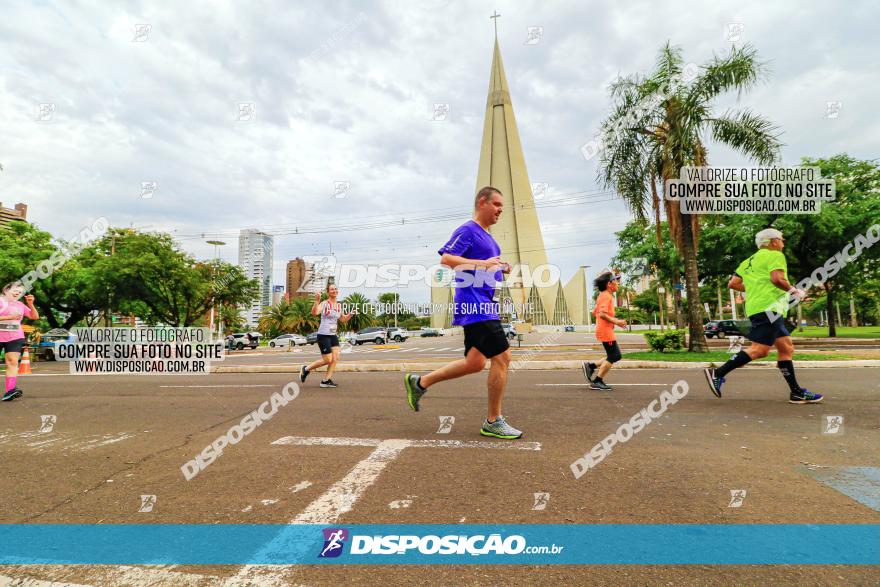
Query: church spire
[(503, 165)]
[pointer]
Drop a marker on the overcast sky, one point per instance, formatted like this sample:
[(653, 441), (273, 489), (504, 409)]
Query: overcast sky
[(344, 91)]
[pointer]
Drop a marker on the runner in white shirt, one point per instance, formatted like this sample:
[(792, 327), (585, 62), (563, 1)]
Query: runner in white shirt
[(328, 341)]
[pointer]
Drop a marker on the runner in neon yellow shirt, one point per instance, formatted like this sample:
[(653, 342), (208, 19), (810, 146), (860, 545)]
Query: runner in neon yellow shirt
[(761, 277)]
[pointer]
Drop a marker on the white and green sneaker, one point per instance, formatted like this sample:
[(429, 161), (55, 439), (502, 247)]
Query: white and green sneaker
[(414, 391), (500, 429)]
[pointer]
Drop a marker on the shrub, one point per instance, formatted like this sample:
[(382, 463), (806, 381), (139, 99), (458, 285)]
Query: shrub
[(669, 339)]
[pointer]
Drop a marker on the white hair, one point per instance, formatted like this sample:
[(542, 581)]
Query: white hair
[(763, 238)]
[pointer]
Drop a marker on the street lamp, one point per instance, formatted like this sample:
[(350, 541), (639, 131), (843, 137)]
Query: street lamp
[(217, 245)]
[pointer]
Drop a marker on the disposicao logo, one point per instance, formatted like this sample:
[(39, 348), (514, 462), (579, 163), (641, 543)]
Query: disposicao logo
[(334, 541)]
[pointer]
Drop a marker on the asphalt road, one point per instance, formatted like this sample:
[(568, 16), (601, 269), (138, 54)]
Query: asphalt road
[(114, 439), (539, 345)]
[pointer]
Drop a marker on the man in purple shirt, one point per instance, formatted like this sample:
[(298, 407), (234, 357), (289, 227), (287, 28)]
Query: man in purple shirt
[(474, 255)]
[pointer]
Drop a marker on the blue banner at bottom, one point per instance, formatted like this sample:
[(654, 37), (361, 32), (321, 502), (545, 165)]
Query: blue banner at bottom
[(611, 544)]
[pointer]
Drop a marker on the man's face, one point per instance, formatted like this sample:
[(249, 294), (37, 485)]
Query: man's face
[(777, 244), (490, 209)]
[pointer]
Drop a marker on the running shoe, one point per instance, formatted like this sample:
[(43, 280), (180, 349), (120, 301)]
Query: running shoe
[(715, 383), (303, 374), (589, 370), (601, 386), (328, 383), (12, 394), (500, 429), (805, 397), (413, 392)]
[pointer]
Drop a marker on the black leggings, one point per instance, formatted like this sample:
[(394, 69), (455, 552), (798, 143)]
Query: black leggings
[(612, 351)]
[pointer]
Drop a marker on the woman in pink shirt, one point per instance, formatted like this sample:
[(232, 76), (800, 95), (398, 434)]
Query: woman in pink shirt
[(11, 334)]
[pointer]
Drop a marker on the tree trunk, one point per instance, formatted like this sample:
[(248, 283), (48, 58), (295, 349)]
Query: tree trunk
[(71, 321), (697, 340), (832, 322), (46, 312)]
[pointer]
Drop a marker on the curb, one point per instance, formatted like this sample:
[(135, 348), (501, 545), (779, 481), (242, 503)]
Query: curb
[(539, 366)]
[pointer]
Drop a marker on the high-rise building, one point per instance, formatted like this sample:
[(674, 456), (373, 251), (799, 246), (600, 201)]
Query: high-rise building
[(518, 232), (255, 258), (277, 294), (7, 215), (296, 274)]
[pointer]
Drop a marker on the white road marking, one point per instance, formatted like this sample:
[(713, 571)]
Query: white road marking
[(340, 498), (613, 384), (214, 386), (300, 486)]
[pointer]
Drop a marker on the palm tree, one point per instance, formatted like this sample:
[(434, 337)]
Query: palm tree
[(365, 316), (276, 319), (302, 320), (659, 124), (232, 320)]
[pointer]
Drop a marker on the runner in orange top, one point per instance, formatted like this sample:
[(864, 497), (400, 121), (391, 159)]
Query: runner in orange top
[(607, 284)]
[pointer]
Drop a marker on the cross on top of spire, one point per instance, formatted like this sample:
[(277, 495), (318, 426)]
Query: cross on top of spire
[(494, 17)]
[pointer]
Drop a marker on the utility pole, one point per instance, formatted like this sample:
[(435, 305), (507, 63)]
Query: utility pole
[(852, 312), (733, 303), (217, 245)]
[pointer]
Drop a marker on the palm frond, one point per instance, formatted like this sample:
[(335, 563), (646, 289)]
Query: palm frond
[(740, 70), (748, 132)]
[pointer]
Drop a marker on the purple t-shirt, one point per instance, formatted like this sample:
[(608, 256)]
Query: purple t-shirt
[(474, 288)]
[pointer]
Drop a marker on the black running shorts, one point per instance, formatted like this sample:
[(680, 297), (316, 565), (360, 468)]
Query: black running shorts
[(764, 331), (487, 337), (326, 342), (13, 346), (612, 351)]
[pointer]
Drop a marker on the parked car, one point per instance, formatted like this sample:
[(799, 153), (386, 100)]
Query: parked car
[(286, 340), (312, 338), (719, 328), (245, 339), (396, 334), (509, 331), (47, 350), (569, 328), (430, 332), (374, 334)]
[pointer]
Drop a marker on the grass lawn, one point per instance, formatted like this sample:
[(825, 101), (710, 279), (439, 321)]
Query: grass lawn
[(842, 332), (722, 356)]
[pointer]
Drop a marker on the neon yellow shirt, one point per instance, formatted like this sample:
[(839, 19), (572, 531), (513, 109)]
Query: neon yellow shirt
[(761, 294)]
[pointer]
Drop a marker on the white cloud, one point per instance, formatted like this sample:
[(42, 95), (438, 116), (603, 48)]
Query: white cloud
[(343, 92)]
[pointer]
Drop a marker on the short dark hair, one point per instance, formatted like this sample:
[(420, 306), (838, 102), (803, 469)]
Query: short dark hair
[(484, 194), (601, 282)]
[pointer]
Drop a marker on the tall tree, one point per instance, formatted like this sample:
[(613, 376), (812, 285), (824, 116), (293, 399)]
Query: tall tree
[(151, 278), (659, 124), (365, 315)]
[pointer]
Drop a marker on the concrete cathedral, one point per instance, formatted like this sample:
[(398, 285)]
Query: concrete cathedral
[(502, 165)]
